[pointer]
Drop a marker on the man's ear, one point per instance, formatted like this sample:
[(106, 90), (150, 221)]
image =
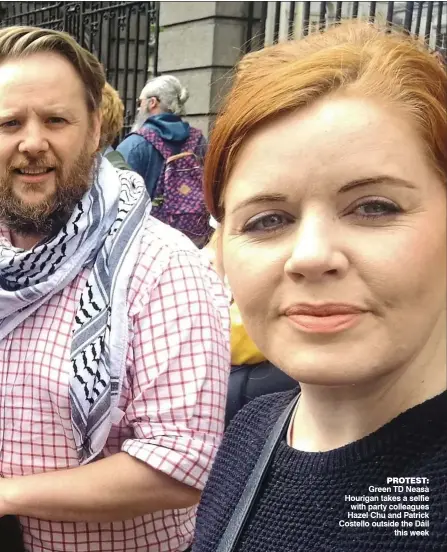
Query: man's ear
[(95, 128), (151, 104)]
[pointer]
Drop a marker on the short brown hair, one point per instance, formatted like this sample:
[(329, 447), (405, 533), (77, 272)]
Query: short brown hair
[(112, 111), (17, 42), (364, 58)]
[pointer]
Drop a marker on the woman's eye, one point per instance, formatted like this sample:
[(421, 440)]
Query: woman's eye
[(266, 223), (375, 208)]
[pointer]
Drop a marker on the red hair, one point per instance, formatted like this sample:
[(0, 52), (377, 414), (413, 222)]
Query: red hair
[(360, 57)]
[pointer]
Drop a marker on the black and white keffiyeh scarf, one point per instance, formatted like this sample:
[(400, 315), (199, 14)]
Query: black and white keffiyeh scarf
[(104, 233)]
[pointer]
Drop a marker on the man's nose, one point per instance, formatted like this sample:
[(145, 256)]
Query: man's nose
[(316, 251), (33, 140)]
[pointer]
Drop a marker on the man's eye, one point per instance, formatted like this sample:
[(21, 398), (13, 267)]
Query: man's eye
[(266, 223), (56, 120), (10, 124)]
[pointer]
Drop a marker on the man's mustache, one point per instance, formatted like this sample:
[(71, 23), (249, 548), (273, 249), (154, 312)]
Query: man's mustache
[(34, 164)]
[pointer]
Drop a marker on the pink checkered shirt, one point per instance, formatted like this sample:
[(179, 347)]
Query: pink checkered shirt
[(173, 397)]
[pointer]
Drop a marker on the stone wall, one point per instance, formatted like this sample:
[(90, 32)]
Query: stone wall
[(200, 43)]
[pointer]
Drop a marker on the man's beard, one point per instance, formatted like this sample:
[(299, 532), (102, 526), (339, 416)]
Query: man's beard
[(140, 119), (50, 215)]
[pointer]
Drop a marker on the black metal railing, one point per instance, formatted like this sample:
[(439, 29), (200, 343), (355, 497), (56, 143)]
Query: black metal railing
[(123, 35), (283, 20)]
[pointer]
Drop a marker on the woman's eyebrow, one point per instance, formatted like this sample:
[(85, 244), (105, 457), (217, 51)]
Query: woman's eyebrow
[(260, 198), (383, 179), (275, 197)]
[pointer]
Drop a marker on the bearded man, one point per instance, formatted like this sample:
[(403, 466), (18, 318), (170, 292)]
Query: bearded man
[(113, 328)]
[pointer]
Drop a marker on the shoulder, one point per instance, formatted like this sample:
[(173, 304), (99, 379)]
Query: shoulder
[(259, 416), (133, 143), (160, 244), (248, 432), (171, 264), (235, 460)]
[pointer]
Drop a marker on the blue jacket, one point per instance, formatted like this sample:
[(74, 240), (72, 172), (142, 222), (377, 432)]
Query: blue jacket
[(143, 158)]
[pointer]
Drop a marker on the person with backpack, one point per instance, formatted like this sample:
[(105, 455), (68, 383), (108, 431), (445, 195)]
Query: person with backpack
[(168, 153)]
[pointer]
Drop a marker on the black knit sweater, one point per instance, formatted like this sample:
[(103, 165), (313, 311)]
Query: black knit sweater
[(307, 496)]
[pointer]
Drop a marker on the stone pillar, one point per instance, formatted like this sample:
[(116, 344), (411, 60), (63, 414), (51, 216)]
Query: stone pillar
[(199, 43)]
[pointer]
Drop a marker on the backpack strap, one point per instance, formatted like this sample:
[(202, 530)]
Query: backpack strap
[(179, 156), (190, 145), (155, 140), (253, 486), (193, 140)]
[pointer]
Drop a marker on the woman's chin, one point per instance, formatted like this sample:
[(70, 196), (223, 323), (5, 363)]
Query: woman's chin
[(332, 375)]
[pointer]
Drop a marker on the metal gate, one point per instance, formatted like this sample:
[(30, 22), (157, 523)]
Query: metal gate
[(123, 36), (282, 20)]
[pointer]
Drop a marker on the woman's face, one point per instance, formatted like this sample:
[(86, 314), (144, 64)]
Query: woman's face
[(334, 242)]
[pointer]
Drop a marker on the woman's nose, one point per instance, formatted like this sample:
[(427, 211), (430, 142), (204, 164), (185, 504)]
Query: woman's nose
[(316, 252)]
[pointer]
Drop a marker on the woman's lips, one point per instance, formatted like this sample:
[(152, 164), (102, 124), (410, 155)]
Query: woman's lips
[(324, 318), (325, 324)]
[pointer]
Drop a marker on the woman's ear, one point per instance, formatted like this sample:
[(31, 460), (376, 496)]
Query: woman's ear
[(220, 269)]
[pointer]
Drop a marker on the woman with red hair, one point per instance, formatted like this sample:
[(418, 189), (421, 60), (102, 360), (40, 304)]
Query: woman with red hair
[(327, 171)]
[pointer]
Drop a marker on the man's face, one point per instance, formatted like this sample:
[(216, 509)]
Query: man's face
[(48, 140)]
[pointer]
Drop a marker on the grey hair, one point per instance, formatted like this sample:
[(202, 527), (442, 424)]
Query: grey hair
[(170, 93)]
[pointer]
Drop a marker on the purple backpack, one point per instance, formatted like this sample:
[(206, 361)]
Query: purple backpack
[(178, 197)]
